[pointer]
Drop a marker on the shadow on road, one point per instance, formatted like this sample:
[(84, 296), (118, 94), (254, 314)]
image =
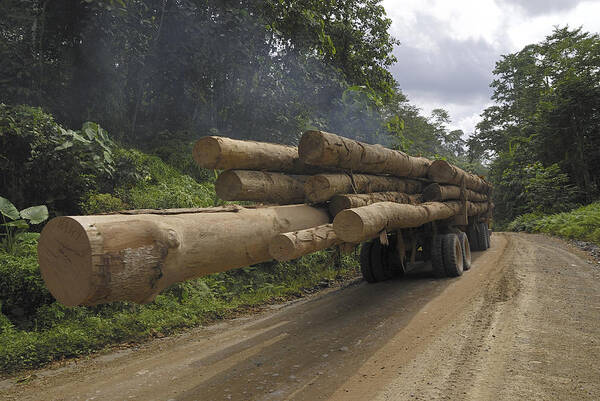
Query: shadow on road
[(311, 347)]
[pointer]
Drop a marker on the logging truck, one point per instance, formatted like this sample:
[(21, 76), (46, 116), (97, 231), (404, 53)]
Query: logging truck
[(447, 244), (329, 191)]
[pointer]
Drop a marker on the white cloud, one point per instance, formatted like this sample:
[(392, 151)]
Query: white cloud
[(449, 48)]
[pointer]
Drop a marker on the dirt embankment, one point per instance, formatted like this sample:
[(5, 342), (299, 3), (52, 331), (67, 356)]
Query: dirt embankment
[(524, 323)]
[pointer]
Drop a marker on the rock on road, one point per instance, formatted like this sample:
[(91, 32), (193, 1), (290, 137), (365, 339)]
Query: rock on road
[(523, 323)]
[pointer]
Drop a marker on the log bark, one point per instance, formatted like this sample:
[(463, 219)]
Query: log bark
[(215, 152), (260, 186), (322, 187), (349, 201), (477, 208), (367, 222), (437, 192), (443, 172), (89, 260), (329, 150), (292, 245)]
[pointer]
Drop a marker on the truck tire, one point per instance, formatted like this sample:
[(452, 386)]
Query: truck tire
[(482, 236), (466, 250), (365, 262), (374, 263), (452, 254), (472, 234), (380, 265), (437, 259)]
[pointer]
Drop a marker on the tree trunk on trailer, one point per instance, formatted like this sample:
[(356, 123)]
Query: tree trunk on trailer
[(367, 222), (443, 172), (215, 152), (350, 201), (437, 192), (322, 187), (329, 150), (89, 260), (260, 186), (292, 245)]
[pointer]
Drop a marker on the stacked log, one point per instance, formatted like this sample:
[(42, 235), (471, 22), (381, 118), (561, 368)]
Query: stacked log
[(329, 191), (329, 150)]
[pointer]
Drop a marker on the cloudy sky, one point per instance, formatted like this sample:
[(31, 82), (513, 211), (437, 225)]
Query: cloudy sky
[(449, 47)]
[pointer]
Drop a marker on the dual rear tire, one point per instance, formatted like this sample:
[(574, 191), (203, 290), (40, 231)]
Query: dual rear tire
[(450, 255), (479, 236), (378, 262)]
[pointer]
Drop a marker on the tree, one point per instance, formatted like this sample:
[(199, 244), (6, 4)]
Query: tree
[(548, 102)]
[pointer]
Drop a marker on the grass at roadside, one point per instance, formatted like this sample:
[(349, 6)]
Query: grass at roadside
[(39, 331), (580, 224)]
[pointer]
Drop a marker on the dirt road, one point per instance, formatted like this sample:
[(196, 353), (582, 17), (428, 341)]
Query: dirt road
[(523, 324)]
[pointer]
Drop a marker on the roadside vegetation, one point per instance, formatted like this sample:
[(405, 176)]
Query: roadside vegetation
[(580, 224)]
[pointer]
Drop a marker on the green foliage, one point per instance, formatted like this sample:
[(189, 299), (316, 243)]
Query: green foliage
[(581, 224), (96, 203), (5, 323), (18, 221), (175, 149), (145, 67), (527, 222), (34, 330), (22, 289), (546, 114), (547, 189), (146, 182), (43, 163)]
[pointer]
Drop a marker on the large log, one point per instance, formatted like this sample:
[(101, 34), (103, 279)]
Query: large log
[(329, 150), (260, 186), (89, 260), (478, 208), (349, 201), (367, 222), (292, 245), (216, 152), (322, 187), (443, 172), (437, 192)]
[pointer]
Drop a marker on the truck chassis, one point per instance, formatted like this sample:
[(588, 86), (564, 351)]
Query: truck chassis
[(447, 245)]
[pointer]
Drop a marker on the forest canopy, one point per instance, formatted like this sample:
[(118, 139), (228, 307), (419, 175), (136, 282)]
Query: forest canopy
[(158, 70), (543, 133)]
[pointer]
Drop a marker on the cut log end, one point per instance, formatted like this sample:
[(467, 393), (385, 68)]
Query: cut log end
[(311, 147), (349, 226), (432, 192), (282, 248), (229, 186), (207, 151), (65, 259), (441, 172)]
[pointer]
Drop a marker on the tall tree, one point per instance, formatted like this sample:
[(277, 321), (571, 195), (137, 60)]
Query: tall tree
[(548, 111)]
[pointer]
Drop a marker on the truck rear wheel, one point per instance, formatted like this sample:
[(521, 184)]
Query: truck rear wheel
[(374, 262), (473, 235), (437, 259), (466, 250), (365, 262), (483, 236), (453, 255)]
